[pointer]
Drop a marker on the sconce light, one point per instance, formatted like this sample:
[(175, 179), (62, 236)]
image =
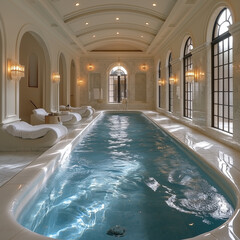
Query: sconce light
[(56, 77), (15, 71), (199, 76), (90, 67), (189, 76), (143, 67), (79, 81), (161, 82), (172, 80)]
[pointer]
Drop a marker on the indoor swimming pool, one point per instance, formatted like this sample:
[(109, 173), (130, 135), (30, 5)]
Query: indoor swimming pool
[(127, 178)]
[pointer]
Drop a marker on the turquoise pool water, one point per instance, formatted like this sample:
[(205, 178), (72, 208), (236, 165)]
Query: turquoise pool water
[(127, 178)]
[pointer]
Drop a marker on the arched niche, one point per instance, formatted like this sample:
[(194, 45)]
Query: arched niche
[(72, 84), (63, 82), (34, 87)]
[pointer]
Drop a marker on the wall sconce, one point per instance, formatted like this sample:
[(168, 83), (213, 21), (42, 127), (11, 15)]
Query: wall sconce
[(90, 67), (143, 67), (172, 80), (56, 77), (199, 76), (79, 81), (15, 71), (189, 76), (161, 82)]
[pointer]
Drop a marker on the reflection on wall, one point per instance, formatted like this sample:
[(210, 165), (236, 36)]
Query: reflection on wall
[(140, 87), (95, 90), (73, 84), (62, 83), (33, 71), (1, 57), (31, 86)]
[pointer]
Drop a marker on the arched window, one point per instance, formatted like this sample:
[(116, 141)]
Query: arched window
[(170, 86), (159, 87), (188, 84), (117, 87), (222, 73)]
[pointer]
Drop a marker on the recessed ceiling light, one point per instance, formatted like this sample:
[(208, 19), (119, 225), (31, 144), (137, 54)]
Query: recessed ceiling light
[(117, 18), (142, 36), (77, 4), (86, 23), (147, 23), (117, 33), (154, 4), (94, 36)]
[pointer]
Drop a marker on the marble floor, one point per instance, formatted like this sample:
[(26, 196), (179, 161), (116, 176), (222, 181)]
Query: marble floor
[(12, 163)]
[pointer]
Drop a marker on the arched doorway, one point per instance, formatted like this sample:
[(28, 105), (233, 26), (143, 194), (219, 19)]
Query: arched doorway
[(63, 81), (117, 84), (32, 88)]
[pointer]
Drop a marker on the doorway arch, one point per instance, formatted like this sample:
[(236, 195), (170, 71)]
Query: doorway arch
[(117, 84), (35, 86)]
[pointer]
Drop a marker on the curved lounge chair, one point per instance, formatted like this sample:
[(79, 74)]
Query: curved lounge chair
[(67, 118), (21, 136), (84, 111)]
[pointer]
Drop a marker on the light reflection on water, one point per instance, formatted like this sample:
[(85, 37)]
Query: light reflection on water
[(131, 175)]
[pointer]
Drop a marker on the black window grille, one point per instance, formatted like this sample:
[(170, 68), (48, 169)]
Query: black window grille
[(117, 87), (187, 85), (222, 73)]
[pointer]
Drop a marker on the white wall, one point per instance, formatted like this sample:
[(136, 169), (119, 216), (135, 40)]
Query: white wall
[(15, 20), (103, 64), (199, 26)]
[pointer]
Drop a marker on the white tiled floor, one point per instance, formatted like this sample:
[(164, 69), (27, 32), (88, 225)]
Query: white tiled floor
[(13, 162)]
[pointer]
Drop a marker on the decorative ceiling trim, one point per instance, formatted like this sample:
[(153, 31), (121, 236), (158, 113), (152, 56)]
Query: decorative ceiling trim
[(112, 51), (113, 8), (123, 39), (134, 27), (106, 41)]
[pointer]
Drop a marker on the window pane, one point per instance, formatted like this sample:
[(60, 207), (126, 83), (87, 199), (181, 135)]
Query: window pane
[(230, 42), (220, 85), (230, 70), (220, 98), (225, 44), (220, 72), (225, 71), (216, 61), (220, 47), (226, 112), (220, 59), (225, 57)]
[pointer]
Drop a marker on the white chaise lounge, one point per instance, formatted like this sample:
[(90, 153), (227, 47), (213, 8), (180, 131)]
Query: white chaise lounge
[(67, 118), (84, 111), (21, 136)]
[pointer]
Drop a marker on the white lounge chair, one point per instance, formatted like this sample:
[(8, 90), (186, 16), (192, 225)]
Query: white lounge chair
[(21, 136), (67, 118), (84, 111)]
